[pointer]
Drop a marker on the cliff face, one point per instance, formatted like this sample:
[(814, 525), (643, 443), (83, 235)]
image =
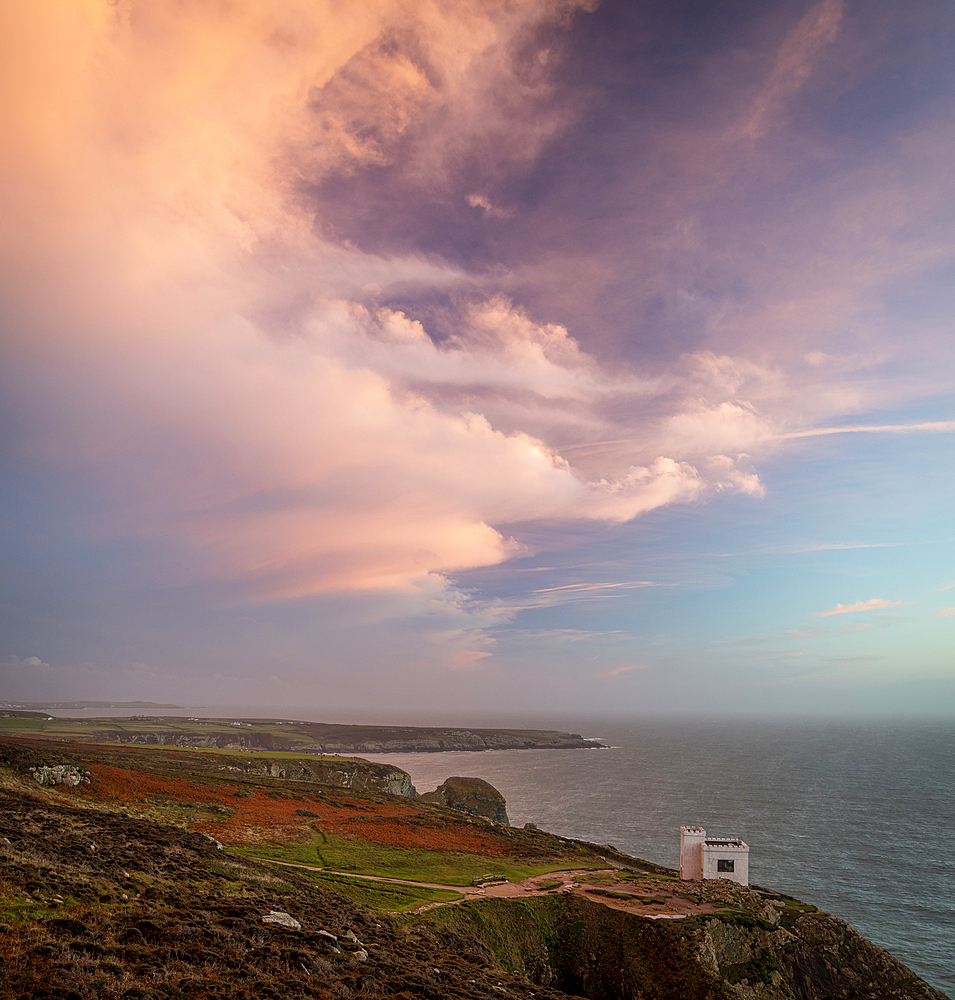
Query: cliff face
[(363, 776), (317, 737), (470, 795), (580, 947), (358, 775), (808, 956)]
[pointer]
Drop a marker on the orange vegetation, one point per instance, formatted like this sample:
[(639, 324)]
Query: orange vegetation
[(275, 815)]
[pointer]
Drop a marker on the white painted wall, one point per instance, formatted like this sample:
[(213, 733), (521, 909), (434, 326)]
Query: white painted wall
[(700, 860), (738, 853), (691, 851)]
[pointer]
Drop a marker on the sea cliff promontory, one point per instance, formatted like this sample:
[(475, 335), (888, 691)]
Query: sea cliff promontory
[(165, 873), (286, 734)]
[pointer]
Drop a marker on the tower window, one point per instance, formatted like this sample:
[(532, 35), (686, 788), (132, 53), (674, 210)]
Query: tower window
[(724, 865)]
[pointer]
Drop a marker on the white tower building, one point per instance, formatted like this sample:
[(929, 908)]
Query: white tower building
[(703, 857), (691, 851)]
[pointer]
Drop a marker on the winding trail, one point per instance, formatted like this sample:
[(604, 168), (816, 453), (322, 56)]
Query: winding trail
[(653, 900)]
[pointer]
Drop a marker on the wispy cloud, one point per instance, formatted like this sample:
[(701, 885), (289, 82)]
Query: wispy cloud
[(943, 613), (574, 593), (468, 657), (851, 661), (839, 546), (794, 64), (853, 629), (875, 602), (568, 635), (620, 671), (585, 587), (931, 427)]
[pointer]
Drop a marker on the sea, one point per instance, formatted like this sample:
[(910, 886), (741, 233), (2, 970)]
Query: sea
[(856, 817)]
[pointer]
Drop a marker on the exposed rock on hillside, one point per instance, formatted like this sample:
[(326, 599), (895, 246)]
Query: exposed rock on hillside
[(580, 947), (415, 739), (322, 737), (470, 795), (358, 775), (59, 774)]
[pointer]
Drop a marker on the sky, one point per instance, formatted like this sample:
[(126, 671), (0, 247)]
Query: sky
[(489, 355)]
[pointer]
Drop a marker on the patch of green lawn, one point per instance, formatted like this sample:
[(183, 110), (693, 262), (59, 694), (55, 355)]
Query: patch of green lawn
[(21, 725), (384, 896), (361, 857)]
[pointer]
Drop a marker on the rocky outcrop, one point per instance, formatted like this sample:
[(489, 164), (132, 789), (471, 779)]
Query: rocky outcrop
[(580, 947), (413, 739), (60, 774), (357, 775), (281, 918), (205, 741), (470, 795)]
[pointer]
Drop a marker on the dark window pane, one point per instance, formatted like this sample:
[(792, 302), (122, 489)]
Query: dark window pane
[(722, 865)]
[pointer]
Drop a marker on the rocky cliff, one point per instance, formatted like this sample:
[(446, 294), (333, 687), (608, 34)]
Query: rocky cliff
[(362, 776), (580, 947), (470, 795), (357, 775), (321, 737)]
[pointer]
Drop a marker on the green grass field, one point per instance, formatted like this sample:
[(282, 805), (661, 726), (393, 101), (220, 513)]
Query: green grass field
[(159, 726), (383, 895), (342, 854)]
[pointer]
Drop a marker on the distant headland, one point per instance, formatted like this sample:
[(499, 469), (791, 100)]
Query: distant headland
[(275, 734), (32, 705)]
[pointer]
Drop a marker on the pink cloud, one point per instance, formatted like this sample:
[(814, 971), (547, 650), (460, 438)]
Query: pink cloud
[(875, 602), (467, 657), (794, 63), (620, 671), (194, 339), (943, 613)]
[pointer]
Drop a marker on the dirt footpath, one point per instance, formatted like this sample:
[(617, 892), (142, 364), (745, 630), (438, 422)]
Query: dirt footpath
[(654, 899)]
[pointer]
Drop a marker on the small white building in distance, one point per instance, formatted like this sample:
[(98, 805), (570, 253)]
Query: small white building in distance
[(712, 857)]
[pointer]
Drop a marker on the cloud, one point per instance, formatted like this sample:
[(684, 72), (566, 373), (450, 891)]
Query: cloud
[(839, 546), (794, 63), (572, 635), (587, 587), (875, 602), (573, 593), (217, 357), (468, 657), (853, 629), (948, 586), (943, 613), (211, 343), (27, 663), (848, 661), (620, 671), (931, 427), (483, 202)]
